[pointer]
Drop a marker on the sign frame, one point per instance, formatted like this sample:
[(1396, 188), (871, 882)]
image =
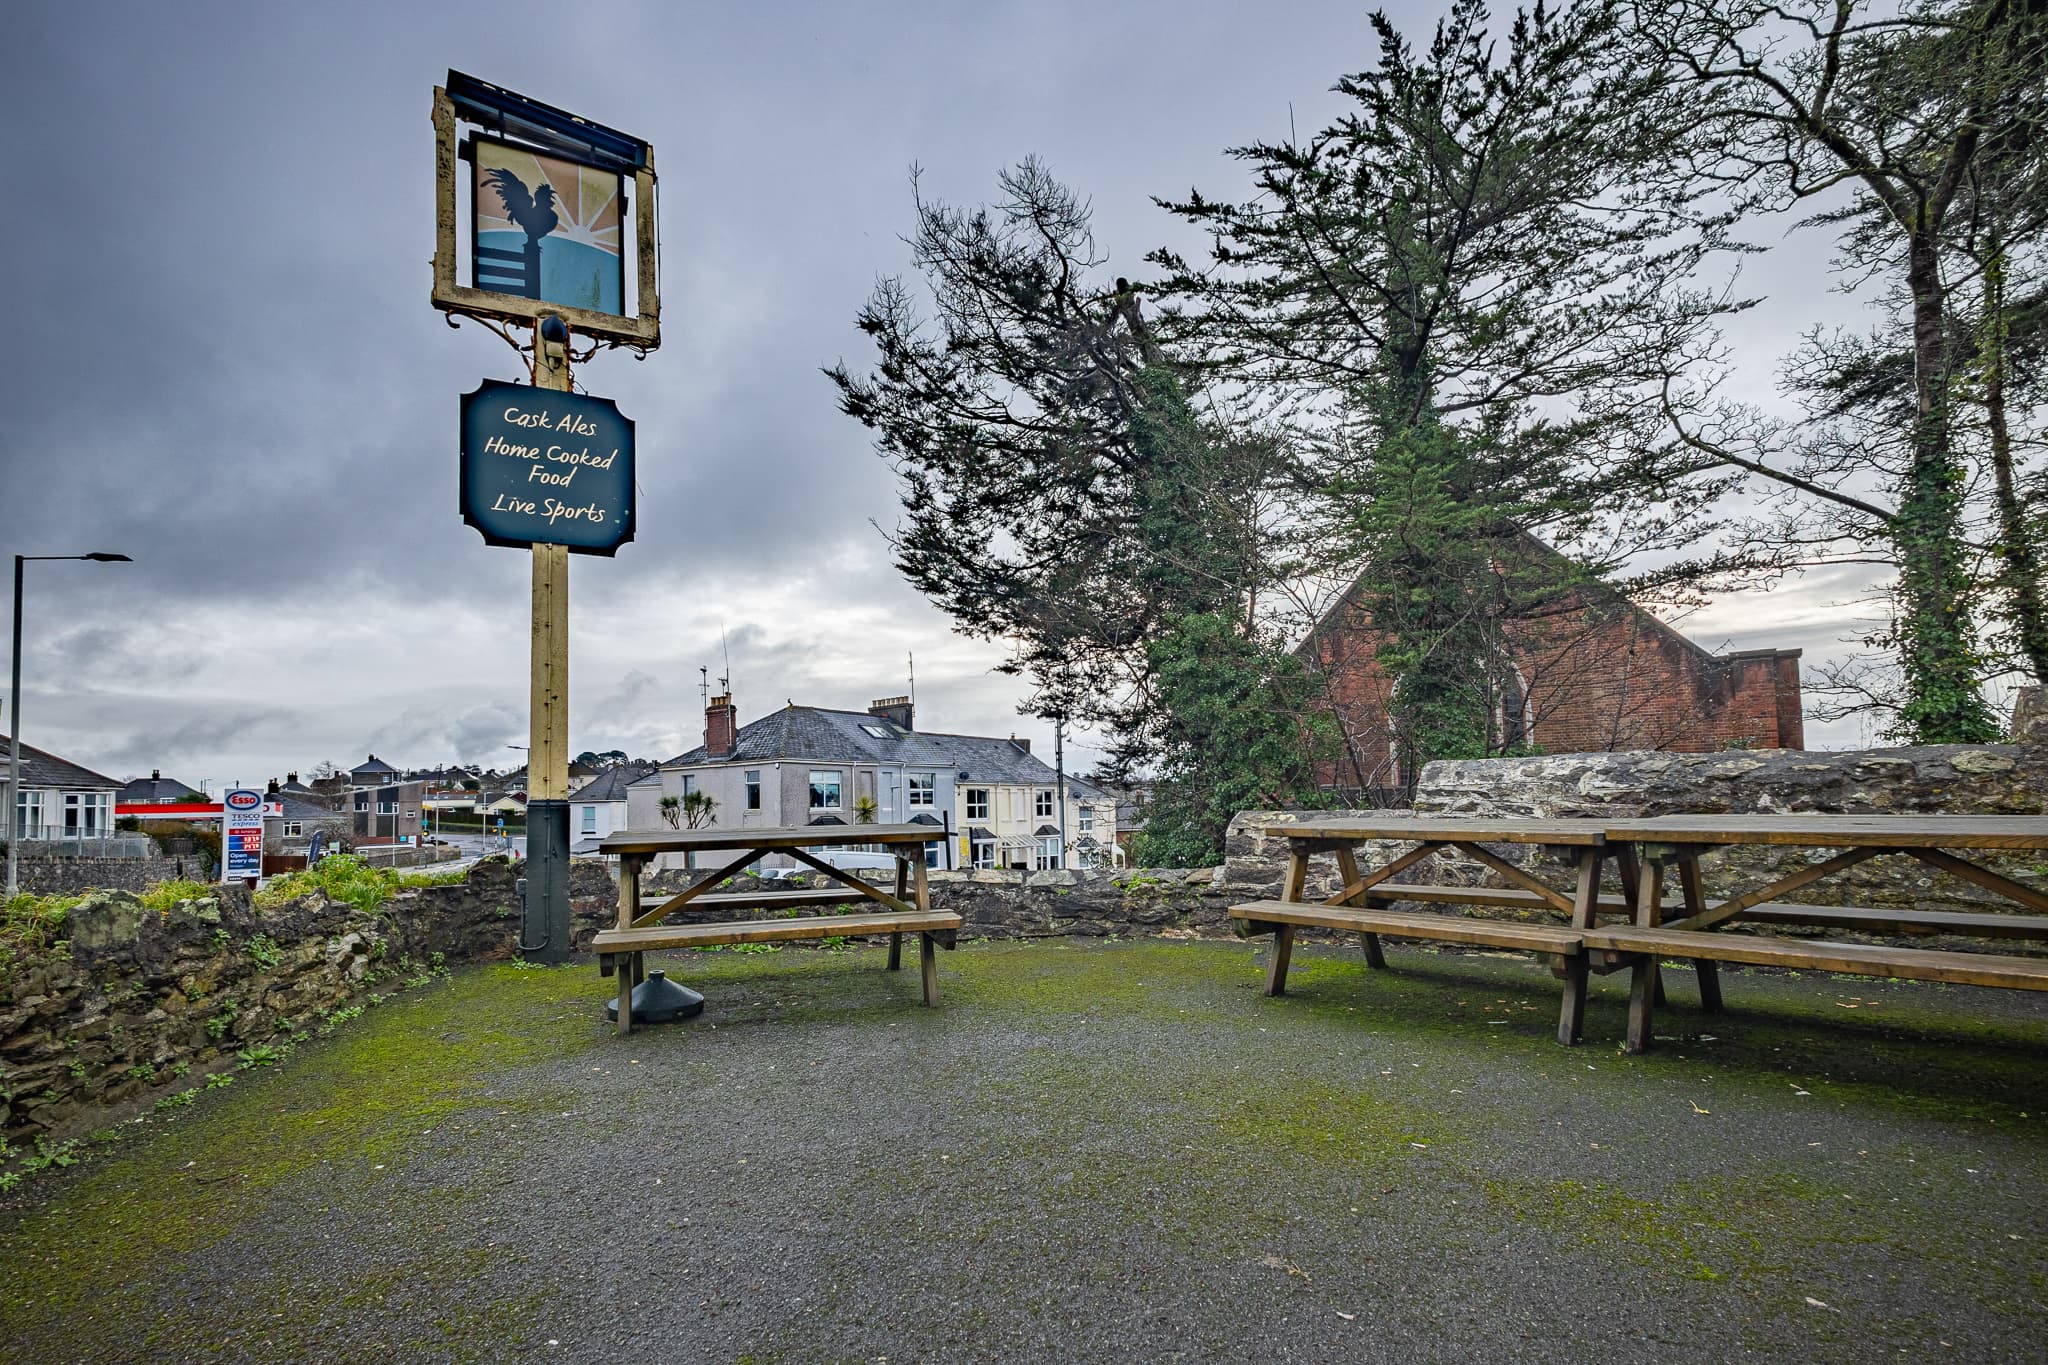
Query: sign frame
[(520, 121), (240, 817)]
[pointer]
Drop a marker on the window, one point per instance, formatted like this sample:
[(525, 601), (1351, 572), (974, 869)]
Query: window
[(984, 851), (977, 809), (293, 829), (590, 819), (825, 790), (931, 855), (689, 784), (753, 789), (85, 813), (1087, 819), (362, 803), (1043, 806), (387, 808), (1048, 852), (29, 814), (924, 789)]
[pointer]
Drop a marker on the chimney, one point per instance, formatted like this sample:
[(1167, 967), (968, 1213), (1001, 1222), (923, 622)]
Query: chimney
[(721, 727), (156, 774), (1023, 744), (896, 710), (273, 787), (291, 779)]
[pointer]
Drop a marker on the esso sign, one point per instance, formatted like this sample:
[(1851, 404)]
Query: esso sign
[(244, 800)]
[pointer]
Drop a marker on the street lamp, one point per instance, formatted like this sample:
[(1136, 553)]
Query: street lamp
[(14, 826)]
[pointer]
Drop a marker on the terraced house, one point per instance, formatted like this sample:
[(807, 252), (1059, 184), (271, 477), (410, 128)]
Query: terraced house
[(808, 765)]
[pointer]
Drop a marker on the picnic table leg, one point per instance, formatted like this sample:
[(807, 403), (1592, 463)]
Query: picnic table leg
[(1643, 983), (1708, 970), (1347, 871), (1276, 965), (625, 975), (928, 959), (1571, 1014), (896, 952)]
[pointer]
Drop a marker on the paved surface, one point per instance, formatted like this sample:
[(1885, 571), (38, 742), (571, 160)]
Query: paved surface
[(1112, 1152)]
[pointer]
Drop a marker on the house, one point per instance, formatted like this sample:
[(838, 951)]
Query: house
[(809, 765), (289, 821), (388, 814), (291, 786), (601, 806), (372, 772), (1094, 832), (59, 799), (155, 790), (510, 805), (1589, 672)]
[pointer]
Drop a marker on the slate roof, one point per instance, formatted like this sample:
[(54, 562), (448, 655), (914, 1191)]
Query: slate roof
[(153, 790), (609, 785), (812, 734), (294, 809), (39, 768)]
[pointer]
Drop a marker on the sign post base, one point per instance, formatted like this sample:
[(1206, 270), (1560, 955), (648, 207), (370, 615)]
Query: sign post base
[(546, 911)]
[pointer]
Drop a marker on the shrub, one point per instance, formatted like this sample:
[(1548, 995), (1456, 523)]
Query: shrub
[(341, 875), (164, 895)]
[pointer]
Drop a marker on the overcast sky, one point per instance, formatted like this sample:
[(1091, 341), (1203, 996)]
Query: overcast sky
[(221, 359)]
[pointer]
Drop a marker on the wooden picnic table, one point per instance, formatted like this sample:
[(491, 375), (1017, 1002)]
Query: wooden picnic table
[(1679, 842), (1361, 904), (906, 909)]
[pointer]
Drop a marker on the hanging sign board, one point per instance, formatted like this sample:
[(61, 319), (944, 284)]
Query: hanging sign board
[(560, 216), (544, 467), (241, 835)]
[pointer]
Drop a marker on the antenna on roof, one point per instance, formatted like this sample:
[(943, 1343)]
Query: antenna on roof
[(913, 677), (704, 685), (725, 679)]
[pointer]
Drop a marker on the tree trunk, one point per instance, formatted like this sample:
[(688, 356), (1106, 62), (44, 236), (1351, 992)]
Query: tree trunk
[(2019, 560), (1936, 648)]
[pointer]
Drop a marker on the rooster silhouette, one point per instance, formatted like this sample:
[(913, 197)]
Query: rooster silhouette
[(534, 212)]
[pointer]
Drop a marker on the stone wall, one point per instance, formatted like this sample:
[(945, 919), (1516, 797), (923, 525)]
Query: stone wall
[(68, 876), (141, 1004), (1030, 905)]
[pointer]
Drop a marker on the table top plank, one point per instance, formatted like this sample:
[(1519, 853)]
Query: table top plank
[(765, 838), (1403, 825), (1823, 830)]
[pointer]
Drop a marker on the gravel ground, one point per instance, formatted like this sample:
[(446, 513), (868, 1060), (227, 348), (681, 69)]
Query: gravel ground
[(1088, 1152)]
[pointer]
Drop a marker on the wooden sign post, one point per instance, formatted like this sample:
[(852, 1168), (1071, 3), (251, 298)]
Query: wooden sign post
[(553, 475)]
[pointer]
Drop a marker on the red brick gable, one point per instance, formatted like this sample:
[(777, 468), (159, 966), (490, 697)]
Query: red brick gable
[(1591, 674)]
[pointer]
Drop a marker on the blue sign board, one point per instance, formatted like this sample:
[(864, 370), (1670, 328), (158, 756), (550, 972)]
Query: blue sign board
[(544, 467)]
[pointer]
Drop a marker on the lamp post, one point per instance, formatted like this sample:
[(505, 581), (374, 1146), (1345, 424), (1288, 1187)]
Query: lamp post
[(14, 721)]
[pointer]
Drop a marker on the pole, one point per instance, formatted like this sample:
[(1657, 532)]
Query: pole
[(547, 754), (1059, 773), (14, 742)]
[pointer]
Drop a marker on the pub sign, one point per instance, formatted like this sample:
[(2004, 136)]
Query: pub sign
[(544, 467)]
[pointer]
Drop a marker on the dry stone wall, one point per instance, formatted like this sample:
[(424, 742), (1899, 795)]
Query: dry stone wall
[(140, 1004)]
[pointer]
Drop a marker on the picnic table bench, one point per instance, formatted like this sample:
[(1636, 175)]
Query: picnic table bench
[(1702, 932), (905, 911), (1638, 935), (1359, 904)]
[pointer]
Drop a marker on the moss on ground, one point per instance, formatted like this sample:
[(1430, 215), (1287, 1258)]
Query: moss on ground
[(1138, 1107)]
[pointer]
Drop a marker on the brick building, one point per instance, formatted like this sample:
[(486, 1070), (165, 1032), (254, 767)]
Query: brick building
[(1594, 673)]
